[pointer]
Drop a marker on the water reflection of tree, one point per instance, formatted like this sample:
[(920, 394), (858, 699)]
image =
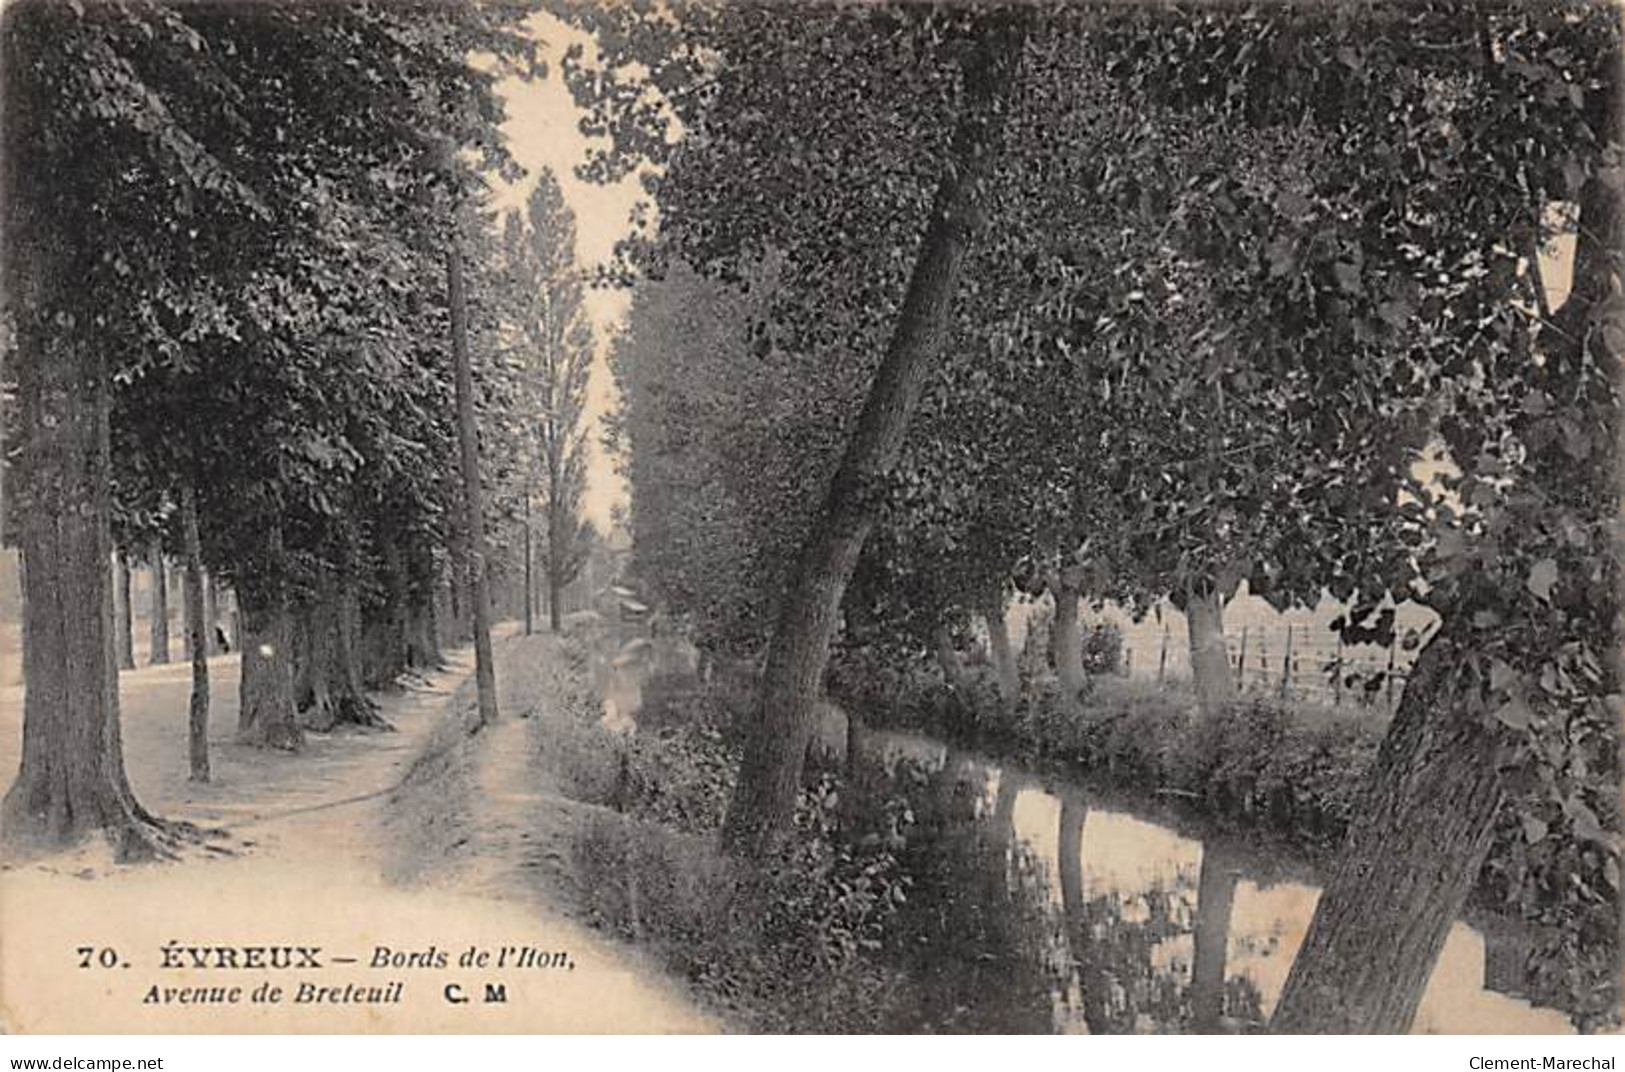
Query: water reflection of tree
[(970, 937), (982, 950), (1120, 982)]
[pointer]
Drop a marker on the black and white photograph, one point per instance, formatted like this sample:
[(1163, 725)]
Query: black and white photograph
[(849, 517)]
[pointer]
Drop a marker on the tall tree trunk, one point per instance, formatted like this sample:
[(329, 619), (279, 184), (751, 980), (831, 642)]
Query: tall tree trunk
[(1001, 829), (309, 688), (1427, 819), (266, 711), (211, 613), (1215, 897), (267, 716), (555, 591), (126, 616), (384, 626), (71, 782), (953, 671), (763, 804), (331, 693), (1068, 643), (1422, 830), (530, 571), (445, 611), (1004, 656), (197, 723), (485, 675), (456, 590), (423, 628), (1211, 676), (160, 607), (178, 577), (351, 703), (396, 616)]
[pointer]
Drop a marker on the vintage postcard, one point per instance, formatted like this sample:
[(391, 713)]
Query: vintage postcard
[(543, 516)]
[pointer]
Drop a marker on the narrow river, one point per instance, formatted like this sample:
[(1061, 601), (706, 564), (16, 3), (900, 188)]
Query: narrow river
[(1042, 903)]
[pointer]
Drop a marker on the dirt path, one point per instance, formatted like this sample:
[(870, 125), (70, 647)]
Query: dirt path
[(317, 863), (482, 816)]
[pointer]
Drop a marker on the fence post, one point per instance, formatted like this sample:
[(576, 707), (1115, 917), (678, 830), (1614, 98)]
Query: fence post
[(1337, 672), (1286, 665), (1393, 647)]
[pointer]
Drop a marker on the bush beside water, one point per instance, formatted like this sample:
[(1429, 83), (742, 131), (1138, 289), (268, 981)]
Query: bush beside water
[(810, 941), (780, 947)]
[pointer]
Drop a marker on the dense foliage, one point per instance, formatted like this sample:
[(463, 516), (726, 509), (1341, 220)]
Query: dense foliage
[(1246, 269)]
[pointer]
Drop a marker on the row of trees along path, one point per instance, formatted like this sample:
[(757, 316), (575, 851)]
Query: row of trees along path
[(233, 355)]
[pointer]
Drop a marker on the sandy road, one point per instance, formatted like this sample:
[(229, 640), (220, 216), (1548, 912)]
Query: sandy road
[(315, 865)]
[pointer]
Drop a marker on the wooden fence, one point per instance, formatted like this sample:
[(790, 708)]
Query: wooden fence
[(1291, 656)]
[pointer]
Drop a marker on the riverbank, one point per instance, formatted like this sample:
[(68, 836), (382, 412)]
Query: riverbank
[(1294, 771), (929, 888), (630, 788)]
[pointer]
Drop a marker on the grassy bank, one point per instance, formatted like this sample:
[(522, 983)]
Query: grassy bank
[(780, 946), (1296, 769), (897, 905)]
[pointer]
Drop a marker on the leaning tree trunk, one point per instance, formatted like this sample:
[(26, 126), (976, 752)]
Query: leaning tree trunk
[(1211, 676), (197, 723), (267, 716), (1215, 897), (1068, 644), (1419, 838), (1428, 815), (126, 616), (71, 782), (160, 608), (485, 675), (763, 805)]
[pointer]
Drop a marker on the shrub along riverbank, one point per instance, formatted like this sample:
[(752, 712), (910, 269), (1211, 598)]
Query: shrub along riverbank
[(882, 865), (900, 902), (1295, 769), (786, 946)]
